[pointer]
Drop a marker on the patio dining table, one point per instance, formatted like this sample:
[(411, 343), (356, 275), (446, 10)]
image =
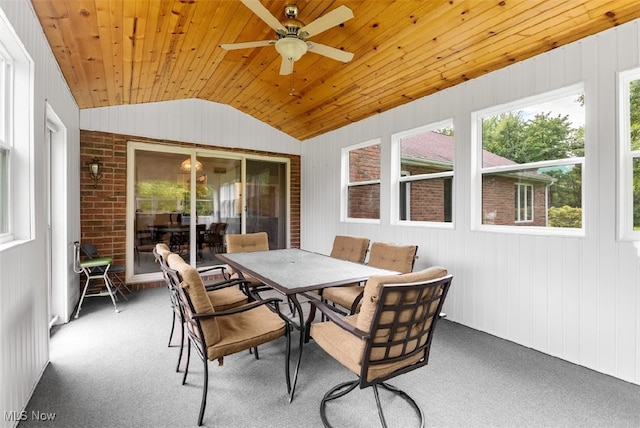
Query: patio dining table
[(293, 272)]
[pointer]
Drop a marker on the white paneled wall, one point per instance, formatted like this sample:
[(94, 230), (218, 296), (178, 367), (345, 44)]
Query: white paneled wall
[(574, 298), (24, 323), (192, 120)]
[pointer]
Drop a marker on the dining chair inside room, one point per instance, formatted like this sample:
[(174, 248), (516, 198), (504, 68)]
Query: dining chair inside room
[(384, 255), (218, 333), (390, 336)]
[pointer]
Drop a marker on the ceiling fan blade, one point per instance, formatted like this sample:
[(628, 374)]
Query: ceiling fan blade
[(286, 67), (328, 51), (264, 14), (246, 45), (326, 21)]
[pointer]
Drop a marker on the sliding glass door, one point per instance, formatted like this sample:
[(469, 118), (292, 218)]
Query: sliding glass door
[(190, 200)]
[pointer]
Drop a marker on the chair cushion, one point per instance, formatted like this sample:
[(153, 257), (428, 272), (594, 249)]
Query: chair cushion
[(246, 243), (343, 296), (192, 282), (348, 349), (395, 257), (369, 300), (163, 251), (351, 248), (246, 330), (226, 298)]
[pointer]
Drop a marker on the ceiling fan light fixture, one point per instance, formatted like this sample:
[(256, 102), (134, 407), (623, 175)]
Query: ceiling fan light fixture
[(291, 48)]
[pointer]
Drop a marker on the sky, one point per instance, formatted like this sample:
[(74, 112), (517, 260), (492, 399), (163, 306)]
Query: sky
[(563, 106)]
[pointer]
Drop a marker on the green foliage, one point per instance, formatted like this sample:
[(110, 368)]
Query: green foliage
[(168, 196), (565, 216), (544, 137)]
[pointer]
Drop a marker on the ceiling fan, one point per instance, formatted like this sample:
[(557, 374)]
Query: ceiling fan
[(292, 34)]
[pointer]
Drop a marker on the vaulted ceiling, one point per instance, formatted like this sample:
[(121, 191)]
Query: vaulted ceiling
[(116, 52)]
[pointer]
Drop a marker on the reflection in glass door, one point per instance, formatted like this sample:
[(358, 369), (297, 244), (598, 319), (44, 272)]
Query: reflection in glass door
[(218, 206), (266, 201), (161, 189)]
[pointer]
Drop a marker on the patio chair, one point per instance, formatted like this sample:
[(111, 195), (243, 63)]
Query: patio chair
[(390, 336), (249, 242), (350, 248), (94, 269), (383, 255), (223, 294), (91, 252), (216, 334)]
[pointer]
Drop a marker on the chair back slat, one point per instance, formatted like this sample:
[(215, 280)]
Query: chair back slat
[(402, 326)]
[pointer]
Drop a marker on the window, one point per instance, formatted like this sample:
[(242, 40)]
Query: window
[(361, 165), (630, 155), (16, 213), (524, 202), (424, 173), (537, 147)]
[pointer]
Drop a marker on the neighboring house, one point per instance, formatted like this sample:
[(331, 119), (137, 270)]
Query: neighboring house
[(509, 198)]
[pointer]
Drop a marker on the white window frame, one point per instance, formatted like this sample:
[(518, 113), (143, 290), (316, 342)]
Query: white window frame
[(16, 137), (626, 158), (347, 184), (478, 171), (528, 202), (399, 176)]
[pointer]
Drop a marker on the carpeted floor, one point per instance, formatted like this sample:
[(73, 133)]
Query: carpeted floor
[(115, 370)]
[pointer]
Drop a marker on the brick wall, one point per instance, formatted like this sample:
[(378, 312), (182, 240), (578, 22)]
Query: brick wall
[(498, 202), (103, 208)]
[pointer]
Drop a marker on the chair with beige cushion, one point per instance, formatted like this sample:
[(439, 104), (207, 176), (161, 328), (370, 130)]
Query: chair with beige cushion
[(391, 335), (224, 294), (350, 248), (218, 333), (246, 243), (396, 257)]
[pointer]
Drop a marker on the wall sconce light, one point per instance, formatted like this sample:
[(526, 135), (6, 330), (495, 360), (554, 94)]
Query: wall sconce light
[(95, 169)]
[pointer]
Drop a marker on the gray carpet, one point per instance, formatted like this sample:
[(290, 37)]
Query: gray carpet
[(115, 370)]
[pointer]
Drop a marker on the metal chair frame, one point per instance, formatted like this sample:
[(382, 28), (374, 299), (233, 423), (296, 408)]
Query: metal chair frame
[(401, 333), (96, 268), (196, 336)]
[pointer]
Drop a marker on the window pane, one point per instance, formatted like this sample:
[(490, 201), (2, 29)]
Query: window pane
[(634, 112), (549, 131), (636, 194), (558, 188), (426, 200), (364, 164), (162, 206), (4, 191), (364, 201), (427, 152), (266, 201), (218, 206)]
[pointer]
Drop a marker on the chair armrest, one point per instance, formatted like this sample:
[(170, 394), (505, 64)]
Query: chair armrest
[(337, 318), (222, 269), (237, 310), (226, 283)]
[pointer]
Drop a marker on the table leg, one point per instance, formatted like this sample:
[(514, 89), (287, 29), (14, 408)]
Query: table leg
[(301, 326)]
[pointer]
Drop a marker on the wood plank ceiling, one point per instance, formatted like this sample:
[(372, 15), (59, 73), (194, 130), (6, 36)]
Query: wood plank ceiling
[(114, 52)]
